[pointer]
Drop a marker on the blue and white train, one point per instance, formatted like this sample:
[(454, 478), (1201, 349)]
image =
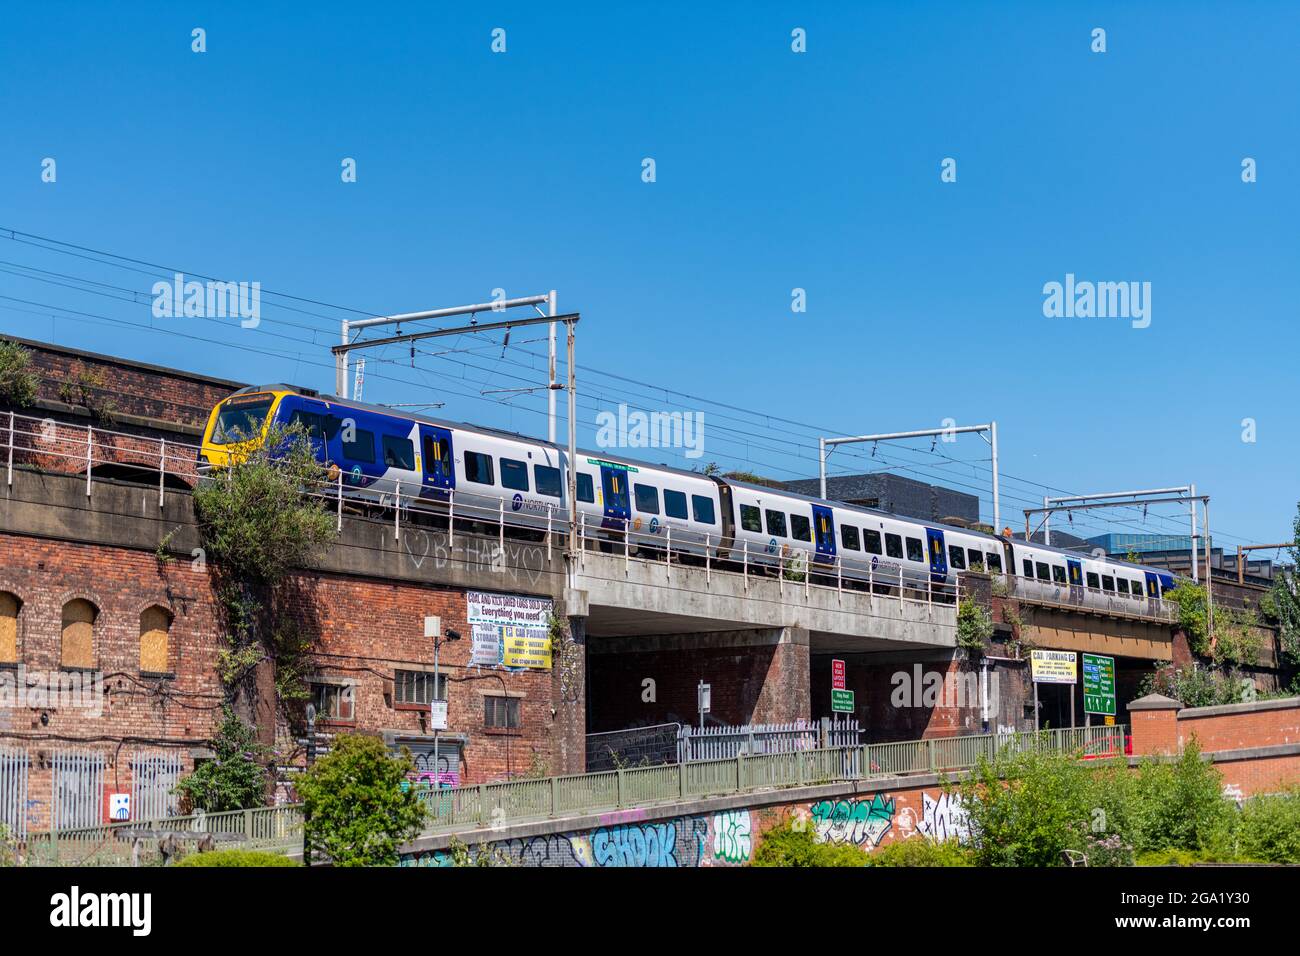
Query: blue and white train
[(375, 452)]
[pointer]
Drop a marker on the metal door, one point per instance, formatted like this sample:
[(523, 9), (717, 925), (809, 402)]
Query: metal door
[(824, 533), (614, 484), (938, 556), (438, 456)]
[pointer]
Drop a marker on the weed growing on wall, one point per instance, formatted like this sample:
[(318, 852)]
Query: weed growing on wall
[(258, 527), (18, 383)]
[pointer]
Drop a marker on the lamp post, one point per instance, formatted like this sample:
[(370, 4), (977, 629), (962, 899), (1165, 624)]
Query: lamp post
[(438, 641), (311, 757)]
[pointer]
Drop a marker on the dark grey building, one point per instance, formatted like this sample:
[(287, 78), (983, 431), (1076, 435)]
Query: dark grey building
[(896, 495)]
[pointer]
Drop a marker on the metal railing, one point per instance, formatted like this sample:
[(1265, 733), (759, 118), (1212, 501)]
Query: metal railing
[(1080, 598), (119, 844), (50, 445), (523, 801)]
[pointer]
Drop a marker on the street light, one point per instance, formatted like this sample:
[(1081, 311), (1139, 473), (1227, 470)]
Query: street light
[(311, 757), (438, 641)]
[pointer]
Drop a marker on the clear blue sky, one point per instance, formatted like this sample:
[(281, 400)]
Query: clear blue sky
[(775, 170)]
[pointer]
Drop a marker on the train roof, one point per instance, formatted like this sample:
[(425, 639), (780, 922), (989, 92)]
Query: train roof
[(1110, 559), (485, 429)]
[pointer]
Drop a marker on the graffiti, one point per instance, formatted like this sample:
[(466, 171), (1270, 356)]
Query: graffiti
[(647, 844), (862, 822), (943, 818), (550, 850), (518, 561), (732, 837)]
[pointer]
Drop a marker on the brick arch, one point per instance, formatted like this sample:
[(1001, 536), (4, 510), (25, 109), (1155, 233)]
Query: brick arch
[(155, 622), (77, 630), (11, 625)]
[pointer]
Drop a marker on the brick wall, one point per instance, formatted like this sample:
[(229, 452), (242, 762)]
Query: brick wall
[(1238, 726), (135, 388), (367, 630)]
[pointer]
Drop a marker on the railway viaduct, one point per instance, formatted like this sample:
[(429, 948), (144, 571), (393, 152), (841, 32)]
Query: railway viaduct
[(103, 573)]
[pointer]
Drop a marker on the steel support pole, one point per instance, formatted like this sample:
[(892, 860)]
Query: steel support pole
[(573, 441), (550, 383), (1192, 507)]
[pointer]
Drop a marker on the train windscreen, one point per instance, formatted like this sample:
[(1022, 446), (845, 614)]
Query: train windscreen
[(241, 420)]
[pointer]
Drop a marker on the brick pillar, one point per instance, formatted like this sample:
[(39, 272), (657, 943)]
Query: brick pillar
[(569, 691), (784, 695), (1155, 724)]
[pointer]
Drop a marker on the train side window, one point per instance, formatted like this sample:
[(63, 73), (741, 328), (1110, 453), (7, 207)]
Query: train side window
[(361, 447), (915, 550), (1094, 582), (973, 557), (312, 424), (703, 509), (956, 558), (1058, 574), (399, 453), (478, 468), (871, 541), (993, 561), (849, 538), (675, 504), (1107, 583), (1122, 585), (647, 499), (751, 519), (514, 475), (800, 528), (1043, 574), (1137, 589), (586, 488), (893, 545), (776, 523), (547, 480)]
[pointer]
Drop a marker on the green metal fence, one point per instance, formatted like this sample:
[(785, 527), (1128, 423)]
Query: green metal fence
[(521, 801)]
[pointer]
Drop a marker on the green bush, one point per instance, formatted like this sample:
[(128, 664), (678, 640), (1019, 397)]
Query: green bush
[(1269, 830), (919, 851), (237, 858), (1027, 809), (1180, 805), (793, 844), (356, 809), (232, 781), (18, 383)]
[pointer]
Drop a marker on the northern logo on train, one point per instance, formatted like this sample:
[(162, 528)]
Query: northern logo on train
[(654, 525), (356, 475), (875, 562), (771, 546), (516, 502)]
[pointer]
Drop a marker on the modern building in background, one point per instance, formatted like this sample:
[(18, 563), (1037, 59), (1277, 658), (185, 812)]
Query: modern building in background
[(897, 495)]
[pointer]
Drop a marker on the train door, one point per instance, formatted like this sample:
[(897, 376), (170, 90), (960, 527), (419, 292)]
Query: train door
[(613, 482), (1153, 591), (437, 465), (1075, 570), (824, 533), (938, 557)]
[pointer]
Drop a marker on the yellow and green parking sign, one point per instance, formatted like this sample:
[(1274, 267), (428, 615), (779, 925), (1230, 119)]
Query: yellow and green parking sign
[(1098, 684)]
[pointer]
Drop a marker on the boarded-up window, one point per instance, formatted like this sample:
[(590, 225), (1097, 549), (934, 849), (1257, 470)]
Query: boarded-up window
[(155, 623), (79, 634), (8, 628)]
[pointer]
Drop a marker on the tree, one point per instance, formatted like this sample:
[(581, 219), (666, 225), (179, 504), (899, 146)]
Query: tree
[(234, 780), (356, 810), (18, 383), (257, 527)]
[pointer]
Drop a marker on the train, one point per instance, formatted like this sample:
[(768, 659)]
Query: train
[(381, 455)]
